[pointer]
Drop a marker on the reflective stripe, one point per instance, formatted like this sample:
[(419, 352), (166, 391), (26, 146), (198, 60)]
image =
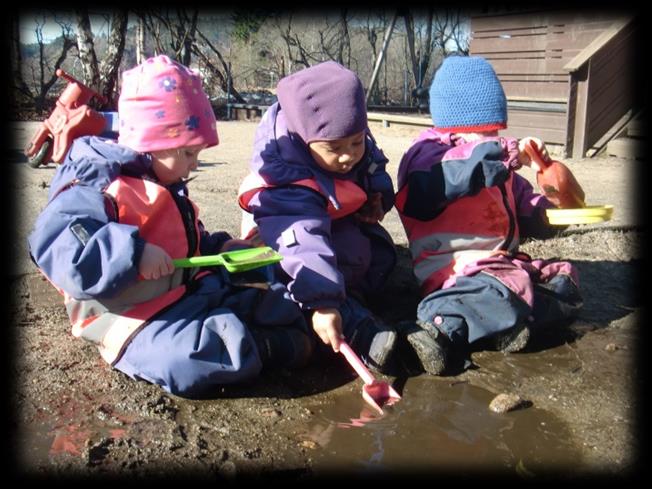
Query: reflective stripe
[(349, 194), (435, 269), (469, 229), (116, 329)]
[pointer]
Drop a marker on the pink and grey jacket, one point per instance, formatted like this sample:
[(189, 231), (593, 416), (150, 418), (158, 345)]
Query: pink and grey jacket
[(461, 203)]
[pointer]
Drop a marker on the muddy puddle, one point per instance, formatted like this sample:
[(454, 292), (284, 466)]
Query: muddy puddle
[(316, 421), (437, 426)]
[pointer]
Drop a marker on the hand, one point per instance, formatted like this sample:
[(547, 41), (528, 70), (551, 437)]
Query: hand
[(327, 323), (372, 210), (253, 240), (524, 157), (154, 262)]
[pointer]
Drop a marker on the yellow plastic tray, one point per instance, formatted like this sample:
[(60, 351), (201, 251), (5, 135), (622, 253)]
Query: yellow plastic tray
[(584, 215)]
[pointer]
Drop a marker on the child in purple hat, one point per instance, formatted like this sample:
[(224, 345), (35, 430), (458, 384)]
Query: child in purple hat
[(465, 209), (118, 213), (317, 191)]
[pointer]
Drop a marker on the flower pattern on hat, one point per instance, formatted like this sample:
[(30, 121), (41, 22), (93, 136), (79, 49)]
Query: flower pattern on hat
[(164, 106)]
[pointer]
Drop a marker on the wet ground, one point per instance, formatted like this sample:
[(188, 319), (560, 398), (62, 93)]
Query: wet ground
[(73, 415)]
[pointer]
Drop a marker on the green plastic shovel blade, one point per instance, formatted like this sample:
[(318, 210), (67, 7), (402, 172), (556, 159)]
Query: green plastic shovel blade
[(234, 261)]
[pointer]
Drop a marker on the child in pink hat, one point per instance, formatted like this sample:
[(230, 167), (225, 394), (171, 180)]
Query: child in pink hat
[(119, 213)]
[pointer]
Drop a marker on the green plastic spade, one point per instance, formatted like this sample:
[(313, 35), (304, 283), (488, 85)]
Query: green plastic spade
[(234, 261)]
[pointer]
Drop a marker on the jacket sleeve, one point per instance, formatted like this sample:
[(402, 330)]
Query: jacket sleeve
[(435, 182), (294, 221), (211, 243), (531, 211), (80, 250), (379, 180)]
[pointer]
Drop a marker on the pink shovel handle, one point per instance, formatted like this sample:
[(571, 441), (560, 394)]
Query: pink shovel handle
[(356, 363)]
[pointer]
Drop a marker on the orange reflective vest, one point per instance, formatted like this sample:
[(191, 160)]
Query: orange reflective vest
[(111, 323), (469, 229), (349, 195)]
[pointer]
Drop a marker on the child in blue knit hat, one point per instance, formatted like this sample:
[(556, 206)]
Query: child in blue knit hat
[(465, 209)]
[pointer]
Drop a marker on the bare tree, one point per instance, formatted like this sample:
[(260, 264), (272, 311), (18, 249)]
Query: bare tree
[(335, 41), (43, 73), (140, 41), (86, 49), (297, 51), (180, 31), (223, 75), (110, 66), (102, 77), (433, 33), (450, 35)]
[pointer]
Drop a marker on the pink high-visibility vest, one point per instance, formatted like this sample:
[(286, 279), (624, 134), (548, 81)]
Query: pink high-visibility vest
[(111, 323), (349, 195)]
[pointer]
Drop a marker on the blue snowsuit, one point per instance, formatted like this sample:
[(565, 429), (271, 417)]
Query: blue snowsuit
[(189, 347)]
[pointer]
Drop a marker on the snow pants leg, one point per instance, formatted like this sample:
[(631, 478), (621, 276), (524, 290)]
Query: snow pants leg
[(203, 341), (503, 293)]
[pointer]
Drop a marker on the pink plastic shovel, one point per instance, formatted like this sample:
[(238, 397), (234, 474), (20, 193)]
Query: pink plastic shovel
[(375, 392)]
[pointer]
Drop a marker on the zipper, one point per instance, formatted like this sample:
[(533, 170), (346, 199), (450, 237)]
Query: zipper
[(510, 232), (188, 217)]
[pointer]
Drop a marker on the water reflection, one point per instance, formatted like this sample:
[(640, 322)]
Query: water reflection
[(438, 427)]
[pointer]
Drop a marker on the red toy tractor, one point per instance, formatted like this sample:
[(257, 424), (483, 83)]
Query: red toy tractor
[(71, 118)]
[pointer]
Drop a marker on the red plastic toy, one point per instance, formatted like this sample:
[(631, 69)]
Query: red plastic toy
[(71, 118), (556, 181)]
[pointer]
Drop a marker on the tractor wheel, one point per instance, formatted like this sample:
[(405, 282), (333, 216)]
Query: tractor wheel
[(39, 158)]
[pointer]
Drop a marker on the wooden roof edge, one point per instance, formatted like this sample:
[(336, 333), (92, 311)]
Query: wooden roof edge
[(597, 44)]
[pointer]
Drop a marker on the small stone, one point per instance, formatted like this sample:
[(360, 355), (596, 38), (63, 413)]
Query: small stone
[(271, 413), (611, 347), (309, 444), (228, 470), (503, 403)]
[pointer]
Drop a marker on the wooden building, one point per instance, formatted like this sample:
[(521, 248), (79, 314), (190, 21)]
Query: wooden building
[(568, 74)]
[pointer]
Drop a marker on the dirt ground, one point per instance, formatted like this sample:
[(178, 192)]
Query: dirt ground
[(73, 415)]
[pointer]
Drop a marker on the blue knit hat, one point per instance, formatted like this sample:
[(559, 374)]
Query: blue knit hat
[(467, 96)]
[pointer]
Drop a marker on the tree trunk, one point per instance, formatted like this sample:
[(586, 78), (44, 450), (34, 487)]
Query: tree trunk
[(20, 87), (188, 40), (111, 64), (140, 41), (409, 30), (223, 79), (86, 50)]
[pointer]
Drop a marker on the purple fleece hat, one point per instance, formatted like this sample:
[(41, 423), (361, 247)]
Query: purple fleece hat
[(323, 102)]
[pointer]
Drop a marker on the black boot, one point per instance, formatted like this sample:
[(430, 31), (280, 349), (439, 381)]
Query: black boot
[(429, 346), (374, 342), (512, 340), (280, 346)]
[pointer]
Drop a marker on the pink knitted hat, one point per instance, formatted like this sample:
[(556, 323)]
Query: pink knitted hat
[(162, 106)]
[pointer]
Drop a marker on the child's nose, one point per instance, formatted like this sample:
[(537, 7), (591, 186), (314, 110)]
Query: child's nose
[(346, 157)]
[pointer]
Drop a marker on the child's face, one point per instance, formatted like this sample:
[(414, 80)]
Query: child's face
[(339, 155), (173, 165)]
